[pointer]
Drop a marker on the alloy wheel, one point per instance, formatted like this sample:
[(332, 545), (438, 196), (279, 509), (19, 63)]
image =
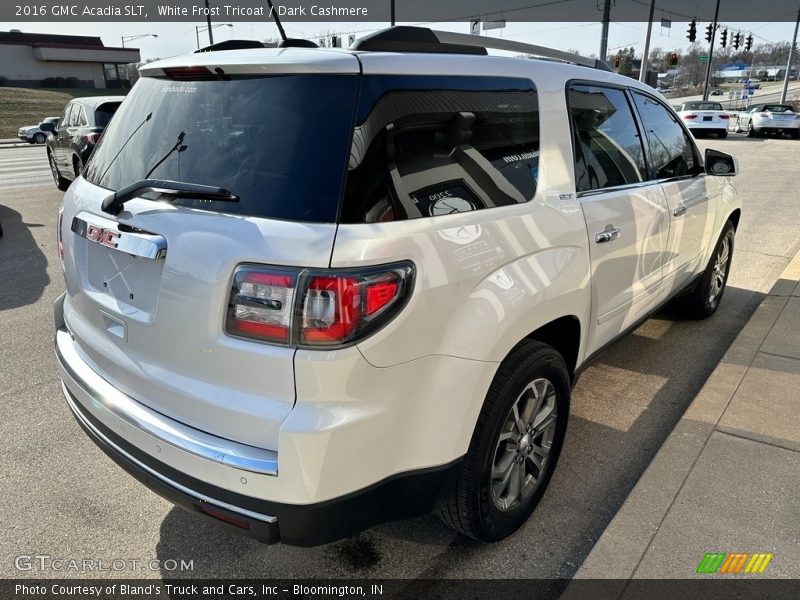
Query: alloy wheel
[(524, 445), (53, 168), (720, 269)]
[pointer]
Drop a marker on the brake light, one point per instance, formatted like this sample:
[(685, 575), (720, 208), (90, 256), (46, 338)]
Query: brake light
[(763, 114), (689, 117), (188, 73), (261, 304), (91, 138), (59, 237), (724, 117), (316, 308)]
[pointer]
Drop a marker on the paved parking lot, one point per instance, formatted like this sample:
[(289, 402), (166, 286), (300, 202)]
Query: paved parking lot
[(62, 497)]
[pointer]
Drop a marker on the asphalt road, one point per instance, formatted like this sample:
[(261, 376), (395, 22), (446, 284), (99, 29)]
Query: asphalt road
[(63, 498)]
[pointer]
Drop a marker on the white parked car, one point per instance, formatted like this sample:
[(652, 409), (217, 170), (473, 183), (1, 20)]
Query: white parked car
[(37, 134), (763, 119), (379, 309), (704, 117)]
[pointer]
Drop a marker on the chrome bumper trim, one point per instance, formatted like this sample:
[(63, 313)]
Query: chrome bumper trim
[(107, 399), (71, 402)]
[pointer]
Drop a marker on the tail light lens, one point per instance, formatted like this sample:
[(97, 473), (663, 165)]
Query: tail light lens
[(763, 114), (316, 308), (724, 117), (91, 138), (689, 117)]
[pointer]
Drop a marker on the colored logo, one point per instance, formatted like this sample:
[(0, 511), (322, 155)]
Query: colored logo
[(734, 562)]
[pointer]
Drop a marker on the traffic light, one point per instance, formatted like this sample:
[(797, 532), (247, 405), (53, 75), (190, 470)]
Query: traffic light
[(736, 40), (691, 33), (616, 62), (709, 32), (723, 38), (748, 42), (673, 59)]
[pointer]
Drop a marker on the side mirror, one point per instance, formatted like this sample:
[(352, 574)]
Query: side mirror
[(720, 163), (48, 127)]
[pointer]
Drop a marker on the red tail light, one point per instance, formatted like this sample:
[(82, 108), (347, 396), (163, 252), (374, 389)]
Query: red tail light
[(91, 138), (60, 239), (724, 117), (316, 308), (689, 117)]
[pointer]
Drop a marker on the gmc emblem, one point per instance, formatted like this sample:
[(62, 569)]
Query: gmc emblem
[(107, 237)]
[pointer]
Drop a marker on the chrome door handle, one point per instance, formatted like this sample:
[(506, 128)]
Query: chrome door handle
[(679, 211), (608, 235)]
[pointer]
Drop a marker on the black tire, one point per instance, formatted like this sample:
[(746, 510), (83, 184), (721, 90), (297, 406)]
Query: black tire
[(77, 166), (723, 134), (61, 183), (796, 135), (750, 131), (39, 138), (472, 508), (699, 303)]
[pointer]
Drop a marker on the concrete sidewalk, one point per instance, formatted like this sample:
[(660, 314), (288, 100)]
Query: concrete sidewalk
[(727, 479)]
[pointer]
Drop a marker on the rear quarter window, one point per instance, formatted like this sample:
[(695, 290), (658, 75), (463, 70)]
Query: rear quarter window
[(431, 146)]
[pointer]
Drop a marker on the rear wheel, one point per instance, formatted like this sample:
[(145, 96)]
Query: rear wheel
[(723, 133), (796, 135), (39, 138), (704, 299), (60, 182), (515, 445)]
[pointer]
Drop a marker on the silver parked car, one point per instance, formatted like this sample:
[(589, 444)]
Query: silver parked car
[(762, 119)]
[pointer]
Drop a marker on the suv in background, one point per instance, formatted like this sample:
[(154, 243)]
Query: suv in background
[(303, 317), (78, 130), (37, 134)]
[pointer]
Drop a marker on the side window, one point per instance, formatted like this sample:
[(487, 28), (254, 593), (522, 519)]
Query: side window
[(431, 152), (608, 147), (80, 118), (65, 117), (671, 151)]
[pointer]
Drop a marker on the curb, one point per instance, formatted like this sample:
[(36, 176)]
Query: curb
[(620, 548)]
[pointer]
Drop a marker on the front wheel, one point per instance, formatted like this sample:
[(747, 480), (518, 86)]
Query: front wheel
[(61, 183), (704, 299), (39, 138), (515, 445)]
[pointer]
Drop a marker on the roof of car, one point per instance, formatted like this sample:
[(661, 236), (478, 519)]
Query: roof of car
[(95, 101)]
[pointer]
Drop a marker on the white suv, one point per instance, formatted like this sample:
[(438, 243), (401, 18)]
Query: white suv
[(312, 290)]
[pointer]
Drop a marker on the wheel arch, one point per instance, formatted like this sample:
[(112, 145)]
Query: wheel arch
[(564, 335)]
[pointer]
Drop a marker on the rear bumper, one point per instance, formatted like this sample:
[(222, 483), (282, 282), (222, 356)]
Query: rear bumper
[(239, 484)]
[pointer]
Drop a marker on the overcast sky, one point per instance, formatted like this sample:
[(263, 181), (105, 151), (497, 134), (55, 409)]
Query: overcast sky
[(180, 38)]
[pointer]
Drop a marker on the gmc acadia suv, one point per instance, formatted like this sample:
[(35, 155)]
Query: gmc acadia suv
[(311, 290)]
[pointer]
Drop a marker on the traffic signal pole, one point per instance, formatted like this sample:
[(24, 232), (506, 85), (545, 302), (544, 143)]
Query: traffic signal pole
[(711, 53), (604, 33), (791, 60), (643, 68)]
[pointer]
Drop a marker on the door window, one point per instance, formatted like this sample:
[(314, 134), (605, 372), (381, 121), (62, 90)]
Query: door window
[(80, 118), (65, 118), (607, 145), (671, 151)]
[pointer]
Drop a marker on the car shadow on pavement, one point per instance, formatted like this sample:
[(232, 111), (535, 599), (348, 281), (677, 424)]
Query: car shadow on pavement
[(615, 430), (23, 265)]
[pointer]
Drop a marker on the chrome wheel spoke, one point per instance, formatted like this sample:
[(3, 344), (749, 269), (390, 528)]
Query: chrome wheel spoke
[(523, 445)]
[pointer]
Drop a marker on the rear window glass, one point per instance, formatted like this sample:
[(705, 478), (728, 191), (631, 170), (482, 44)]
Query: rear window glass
[(104, 112), (278, 142), (778, 108), (702, 106)]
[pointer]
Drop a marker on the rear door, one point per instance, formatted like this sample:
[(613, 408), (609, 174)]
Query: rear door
[(148, 290), (626, 215), (675, 164)]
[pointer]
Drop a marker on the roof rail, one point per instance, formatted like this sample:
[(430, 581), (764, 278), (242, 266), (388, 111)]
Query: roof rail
[(422, 39)]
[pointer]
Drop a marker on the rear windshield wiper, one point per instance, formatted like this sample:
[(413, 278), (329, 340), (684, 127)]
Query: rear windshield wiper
[(113, 203)]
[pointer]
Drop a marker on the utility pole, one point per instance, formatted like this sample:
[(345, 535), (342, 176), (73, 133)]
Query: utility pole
[(604, 34), (643, 68), (392, 11), (711, 52), (791, 61), (211, 35)]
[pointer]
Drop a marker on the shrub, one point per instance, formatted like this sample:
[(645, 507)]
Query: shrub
[(49, 82), (73, 82), (61, 82), (3, 81)]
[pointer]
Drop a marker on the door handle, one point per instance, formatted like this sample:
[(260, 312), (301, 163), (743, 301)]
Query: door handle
[(608, 235), (679, 211)]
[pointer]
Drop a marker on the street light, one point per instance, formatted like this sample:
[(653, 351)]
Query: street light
[(129, 38), (199, 28)]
